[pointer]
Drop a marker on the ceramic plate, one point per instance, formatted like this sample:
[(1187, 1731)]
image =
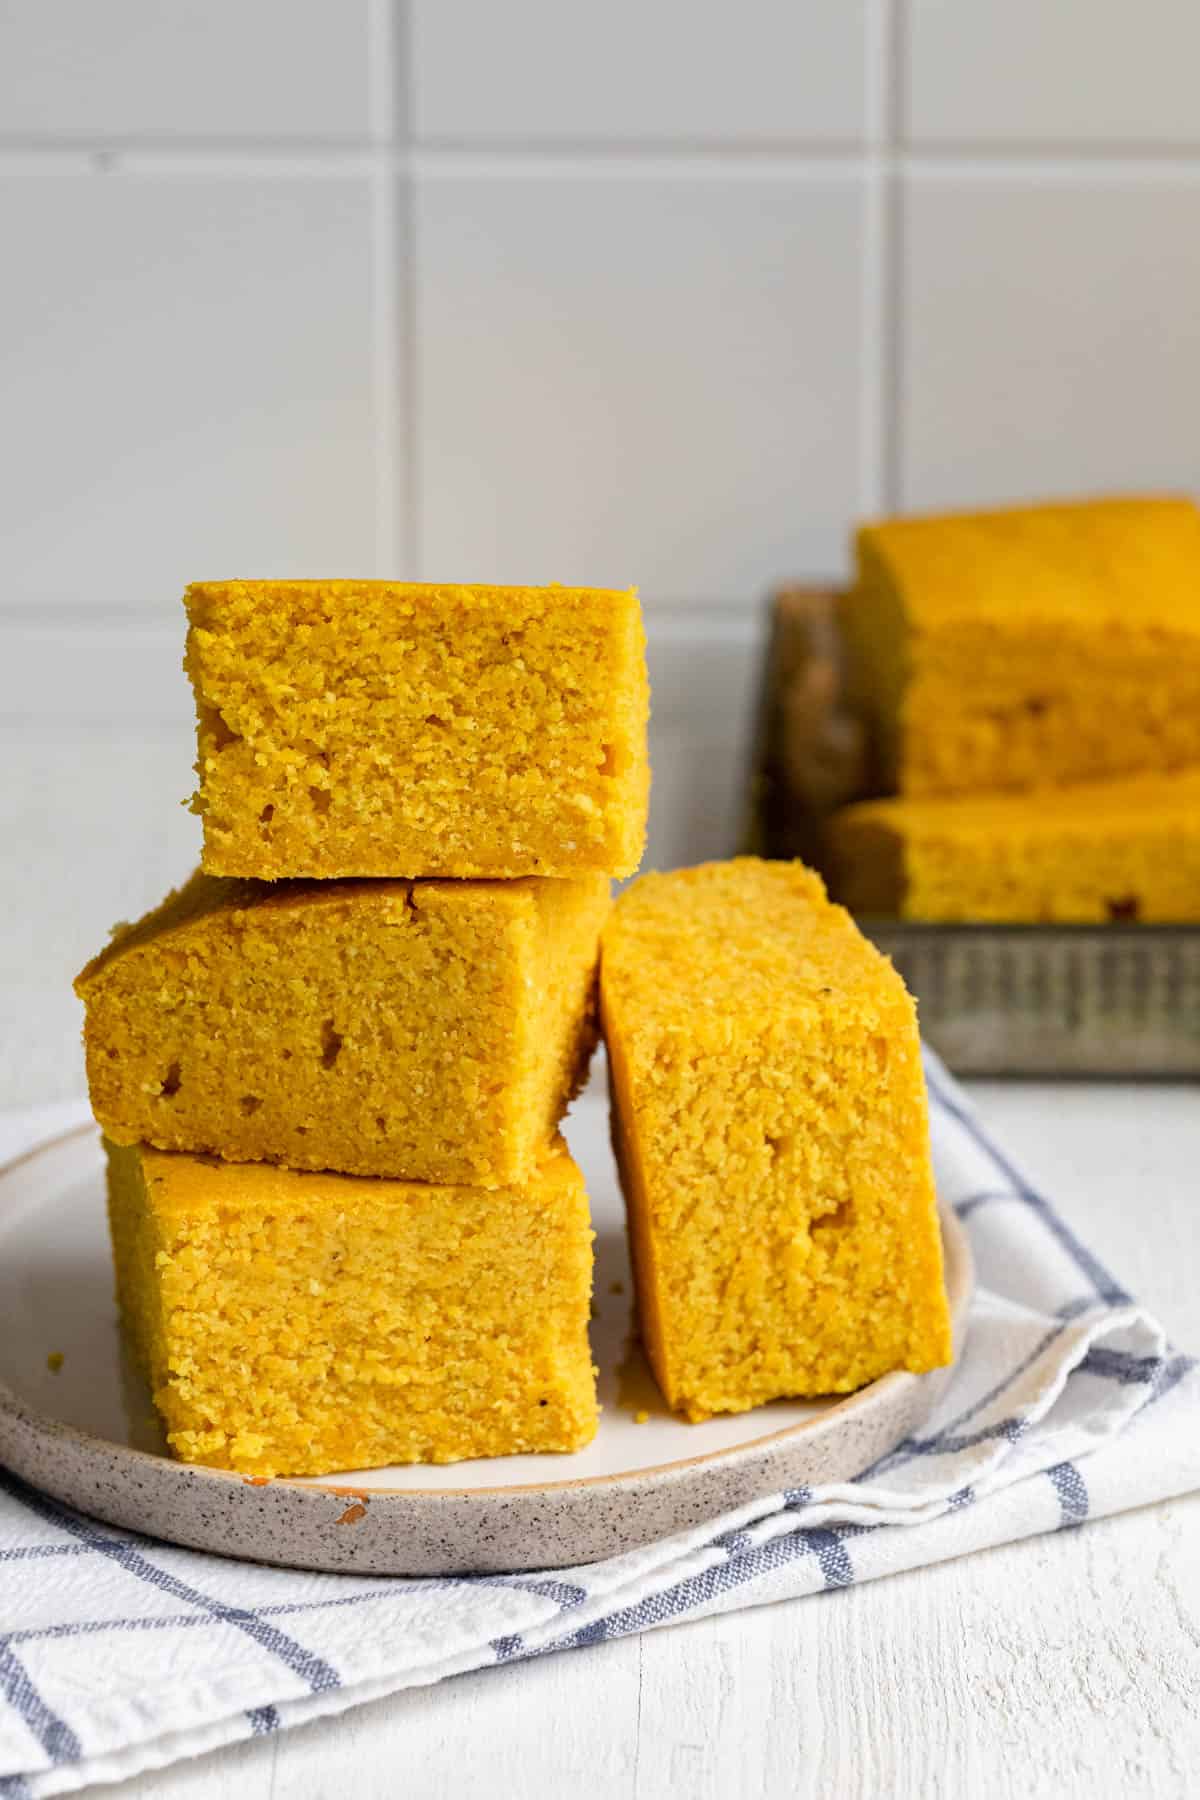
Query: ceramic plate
[(86, 1432)]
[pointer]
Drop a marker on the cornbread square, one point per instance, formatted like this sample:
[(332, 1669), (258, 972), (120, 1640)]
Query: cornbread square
[(769, 1117), (298, 1324), (1030, 647), (1101, 851), (352, 728), (431, 1030)]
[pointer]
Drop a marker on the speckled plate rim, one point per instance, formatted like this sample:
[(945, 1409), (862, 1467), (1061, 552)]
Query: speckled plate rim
[(436, 1531)]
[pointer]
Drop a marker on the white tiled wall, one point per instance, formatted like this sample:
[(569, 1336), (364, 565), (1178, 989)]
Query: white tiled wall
[(639, 72), (187, 379), (185, 70), (1107, 75), (664, 291), (1059, 349), (642, 371)]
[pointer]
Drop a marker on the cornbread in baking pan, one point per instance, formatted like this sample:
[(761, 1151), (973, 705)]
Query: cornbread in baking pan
[(770, 1122), (1029, 647), (1116, 850), (300, 1324), (350, 728), (431, 1030)]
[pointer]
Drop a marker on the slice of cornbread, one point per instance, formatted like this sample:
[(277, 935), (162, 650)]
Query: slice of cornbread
[(1105, 850), (389, 728), (1028, 647), (295, 1324), (431, 1030), (770, 1122)]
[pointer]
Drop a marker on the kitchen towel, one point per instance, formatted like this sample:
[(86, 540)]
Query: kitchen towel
[(119, 1653)]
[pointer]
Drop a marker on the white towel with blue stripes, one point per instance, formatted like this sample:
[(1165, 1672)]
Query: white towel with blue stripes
[(119, 1654)]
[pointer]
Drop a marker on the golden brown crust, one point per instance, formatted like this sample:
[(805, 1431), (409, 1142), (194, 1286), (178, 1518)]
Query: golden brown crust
[(1088, 854), (773, 1140), (295, 1324), (362, 729), (1030, 646), (426, 1030)]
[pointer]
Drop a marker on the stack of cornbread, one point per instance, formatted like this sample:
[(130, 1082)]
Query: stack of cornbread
[(1030, 680), (331, 1068)]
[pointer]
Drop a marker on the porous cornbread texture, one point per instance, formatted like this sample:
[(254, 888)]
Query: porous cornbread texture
[(298, 1324), (1102, 851), (1030, 647), (433, 1030), (381, 728), (770, 1122)]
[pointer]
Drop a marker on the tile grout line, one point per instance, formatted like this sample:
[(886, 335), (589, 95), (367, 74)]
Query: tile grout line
[(892, 266), (966, 152), (873, 299), (815, 150), (382, 95), (406, 389), (833, 160), (386, 303)]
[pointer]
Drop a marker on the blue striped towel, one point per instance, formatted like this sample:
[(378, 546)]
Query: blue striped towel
[(118, 1653)]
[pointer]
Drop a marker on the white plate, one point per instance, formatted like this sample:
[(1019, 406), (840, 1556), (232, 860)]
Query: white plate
[(88, 1434)]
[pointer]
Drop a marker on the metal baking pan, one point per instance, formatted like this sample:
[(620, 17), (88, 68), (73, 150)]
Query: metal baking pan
[(1113, 1000), (1119, 999)]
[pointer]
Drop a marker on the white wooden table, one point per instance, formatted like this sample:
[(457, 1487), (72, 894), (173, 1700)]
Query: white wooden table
[(1066, 1666)]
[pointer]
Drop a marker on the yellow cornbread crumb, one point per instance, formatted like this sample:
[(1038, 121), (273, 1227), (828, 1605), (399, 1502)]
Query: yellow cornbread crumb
[(350, 728), (1101, 851), (1028, 647), (429, 1030), (641, 1417), (295, 1324), (54, 1361), (770, 1122)]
